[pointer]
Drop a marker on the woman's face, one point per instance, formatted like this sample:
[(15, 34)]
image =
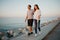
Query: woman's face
[(35, 7)]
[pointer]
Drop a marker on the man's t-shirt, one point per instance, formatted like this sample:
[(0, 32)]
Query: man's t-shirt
[(30, 14)]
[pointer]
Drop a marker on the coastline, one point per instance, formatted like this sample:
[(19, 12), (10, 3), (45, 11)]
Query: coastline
[(21, 31)]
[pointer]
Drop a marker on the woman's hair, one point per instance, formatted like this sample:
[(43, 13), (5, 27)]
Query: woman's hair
[(36, 6)]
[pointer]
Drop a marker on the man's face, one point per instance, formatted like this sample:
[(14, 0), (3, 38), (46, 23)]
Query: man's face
[(29, 7)]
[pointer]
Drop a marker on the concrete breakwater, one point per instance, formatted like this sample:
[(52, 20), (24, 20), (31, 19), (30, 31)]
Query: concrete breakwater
[(44, 31)]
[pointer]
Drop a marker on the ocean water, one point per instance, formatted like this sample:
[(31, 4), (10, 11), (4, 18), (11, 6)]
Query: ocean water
[(13, 23)]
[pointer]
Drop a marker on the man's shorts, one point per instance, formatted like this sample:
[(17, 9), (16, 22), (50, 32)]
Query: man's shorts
[(30, 22)]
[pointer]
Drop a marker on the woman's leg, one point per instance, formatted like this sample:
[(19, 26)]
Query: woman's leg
[(35, 22), (39, 25)]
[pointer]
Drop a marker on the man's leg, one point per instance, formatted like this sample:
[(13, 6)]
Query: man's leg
[(28, 28), (31, 25), (31, 29)]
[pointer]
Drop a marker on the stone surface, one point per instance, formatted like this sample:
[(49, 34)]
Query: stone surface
[(54, 35), (44, 31)]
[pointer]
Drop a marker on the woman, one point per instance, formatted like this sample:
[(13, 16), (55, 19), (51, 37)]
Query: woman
[(37, 15)]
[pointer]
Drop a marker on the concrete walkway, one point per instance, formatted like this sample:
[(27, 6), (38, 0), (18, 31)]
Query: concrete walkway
[(54, 34), (44, 31)]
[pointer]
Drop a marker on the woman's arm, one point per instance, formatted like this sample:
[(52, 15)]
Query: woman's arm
[(39, 14)]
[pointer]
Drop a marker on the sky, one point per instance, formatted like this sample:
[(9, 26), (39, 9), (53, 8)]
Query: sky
[(18, 8)]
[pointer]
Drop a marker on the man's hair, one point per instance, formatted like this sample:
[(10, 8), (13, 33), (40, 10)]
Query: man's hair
[(29, 5)]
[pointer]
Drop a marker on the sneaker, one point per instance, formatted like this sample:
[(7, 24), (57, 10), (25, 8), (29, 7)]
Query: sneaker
[(39, 32), (31, 32), (35, 35)]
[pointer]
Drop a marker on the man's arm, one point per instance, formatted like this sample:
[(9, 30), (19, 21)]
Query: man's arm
[(26, 17)]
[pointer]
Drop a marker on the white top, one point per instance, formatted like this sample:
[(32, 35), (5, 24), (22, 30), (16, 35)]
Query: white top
[(36, 14), (30, 14)]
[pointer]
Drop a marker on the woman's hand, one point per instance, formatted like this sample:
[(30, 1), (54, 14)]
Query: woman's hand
[(38, 17)]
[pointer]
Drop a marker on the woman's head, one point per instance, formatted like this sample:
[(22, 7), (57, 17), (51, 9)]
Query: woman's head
[(36, 7)]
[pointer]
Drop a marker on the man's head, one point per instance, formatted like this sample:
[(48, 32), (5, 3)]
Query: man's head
[(29, 6)]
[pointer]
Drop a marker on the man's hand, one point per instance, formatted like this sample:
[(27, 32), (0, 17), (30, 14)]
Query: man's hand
[(25, 20)]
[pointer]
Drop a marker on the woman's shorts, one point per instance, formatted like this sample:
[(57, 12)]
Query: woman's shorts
[(30, 22)]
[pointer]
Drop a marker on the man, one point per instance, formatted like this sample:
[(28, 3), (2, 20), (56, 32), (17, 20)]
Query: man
[(29, 18)]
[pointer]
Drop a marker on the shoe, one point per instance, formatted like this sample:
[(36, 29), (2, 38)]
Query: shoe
[(35, 35), (31, 32), (39, 32)]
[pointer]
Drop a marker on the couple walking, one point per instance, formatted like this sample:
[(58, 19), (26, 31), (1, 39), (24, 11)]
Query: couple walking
[(33, 16)]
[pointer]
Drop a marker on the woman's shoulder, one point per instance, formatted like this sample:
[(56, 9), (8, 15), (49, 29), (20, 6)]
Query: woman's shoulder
[(38, 10)]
